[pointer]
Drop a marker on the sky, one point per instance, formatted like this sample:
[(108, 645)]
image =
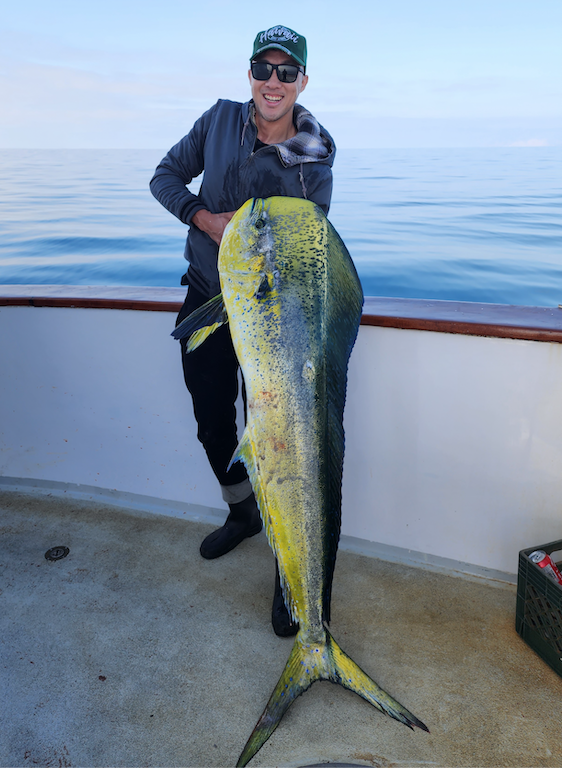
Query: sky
[(406, 73)]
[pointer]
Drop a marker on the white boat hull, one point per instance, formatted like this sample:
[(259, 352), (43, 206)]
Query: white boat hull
[(453, 442)]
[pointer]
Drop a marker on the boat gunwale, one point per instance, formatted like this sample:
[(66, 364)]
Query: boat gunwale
[(454, 317)]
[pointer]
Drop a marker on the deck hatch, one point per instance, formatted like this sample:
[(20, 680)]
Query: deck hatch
[(56, 553)]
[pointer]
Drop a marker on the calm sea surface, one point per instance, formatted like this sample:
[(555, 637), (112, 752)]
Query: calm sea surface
[(461, 224)]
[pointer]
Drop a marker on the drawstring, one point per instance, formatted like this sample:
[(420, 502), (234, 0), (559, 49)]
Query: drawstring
[(301, 177), (244, 131), (247, 123)]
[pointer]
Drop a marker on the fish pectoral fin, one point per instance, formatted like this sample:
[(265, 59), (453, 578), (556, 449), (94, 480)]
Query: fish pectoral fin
[(264, 288), (201, 323), (308, 663), (197, 338)]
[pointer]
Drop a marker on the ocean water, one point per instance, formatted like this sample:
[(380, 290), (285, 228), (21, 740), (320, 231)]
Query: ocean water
[(480, 225)]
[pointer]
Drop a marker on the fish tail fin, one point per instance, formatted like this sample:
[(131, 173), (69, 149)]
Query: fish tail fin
[(348, 674), (307, 663), (299, 674)]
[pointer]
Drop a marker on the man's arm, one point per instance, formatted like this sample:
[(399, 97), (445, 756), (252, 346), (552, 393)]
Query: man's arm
[(181, 165)]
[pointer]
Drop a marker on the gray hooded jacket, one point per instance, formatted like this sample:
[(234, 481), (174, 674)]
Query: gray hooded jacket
[(221, 143)]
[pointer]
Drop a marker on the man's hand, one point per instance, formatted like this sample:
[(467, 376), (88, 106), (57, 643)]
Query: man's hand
[(212, 223)]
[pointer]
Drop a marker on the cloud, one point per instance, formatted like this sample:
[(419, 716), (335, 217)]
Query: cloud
[(65, 105), (60, 94), (530, 143)]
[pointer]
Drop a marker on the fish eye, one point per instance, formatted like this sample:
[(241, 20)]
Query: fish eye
[(260, 224)]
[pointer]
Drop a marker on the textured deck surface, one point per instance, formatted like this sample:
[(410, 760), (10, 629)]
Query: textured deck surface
[(133, 651)]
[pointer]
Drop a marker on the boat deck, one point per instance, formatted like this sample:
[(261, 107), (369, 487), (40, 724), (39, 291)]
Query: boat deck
[(134, 651)]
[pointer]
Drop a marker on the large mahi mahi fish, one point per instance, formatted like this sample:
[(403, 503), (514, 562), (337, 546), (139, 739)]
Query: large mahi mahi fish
[(293, 300)]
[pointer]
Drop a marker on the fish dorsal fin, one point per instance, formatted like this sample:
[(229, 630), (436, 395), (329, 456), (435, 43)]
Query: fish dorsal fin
[(343, 315), (199, 325)]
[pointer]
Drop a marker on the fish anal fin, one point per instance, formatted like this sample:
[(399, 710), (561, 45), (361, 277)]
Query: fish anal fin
[(246, 454)]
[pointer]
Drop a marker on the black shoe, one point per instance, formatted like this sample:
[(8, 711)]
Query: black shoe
[(283, 625), (243, 521)]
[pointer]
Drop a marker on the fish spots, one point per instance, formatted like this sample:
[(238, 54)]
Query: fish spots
[(276, 443), (265, 395), (308, 371), (265, 399), (288, 302), (286, 479)]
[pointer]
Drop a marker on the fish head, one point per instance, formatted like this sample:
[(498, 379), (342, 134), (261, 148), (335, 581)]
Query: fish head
[(246, 255), (263, 243)]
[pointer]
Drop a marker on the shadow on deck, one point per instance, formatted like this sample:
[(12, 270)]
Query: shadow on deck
[(134, 651)]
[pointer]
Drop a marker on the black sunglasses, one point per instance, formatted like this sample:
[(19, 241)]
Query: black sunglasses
[(286, 73)]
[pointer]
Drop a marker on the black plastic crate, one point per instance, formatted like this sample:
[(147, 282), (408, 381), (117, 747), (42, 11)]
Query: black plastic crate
[(539, 607)]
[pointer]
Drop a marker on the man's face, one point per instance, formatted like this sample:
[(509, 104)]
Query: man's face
[(273, 99)]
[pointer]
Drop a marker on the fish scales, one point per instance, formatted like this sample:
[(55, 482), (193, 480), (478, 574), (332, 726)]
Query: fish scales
[(293, 301), (281, 342)]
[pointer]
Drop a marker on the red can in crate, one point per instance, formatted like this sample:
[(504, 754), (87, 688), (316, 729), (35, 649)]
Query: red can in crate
[(545, 562)]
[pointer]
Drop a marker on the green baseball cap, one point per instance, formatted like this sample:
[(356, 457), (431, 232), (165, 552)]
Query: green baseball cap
[(284, 39)]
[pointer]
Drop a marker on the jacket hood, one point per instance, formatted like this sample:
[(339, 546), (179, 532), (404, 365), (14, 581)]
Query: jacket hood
[(312, 144)]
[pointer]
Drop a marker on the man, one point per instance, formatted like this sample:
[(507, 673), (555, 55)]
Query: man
[(268, 146)]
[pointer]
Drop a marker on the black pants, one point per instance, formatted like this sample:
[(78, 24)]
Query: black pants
[(211, 376)]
